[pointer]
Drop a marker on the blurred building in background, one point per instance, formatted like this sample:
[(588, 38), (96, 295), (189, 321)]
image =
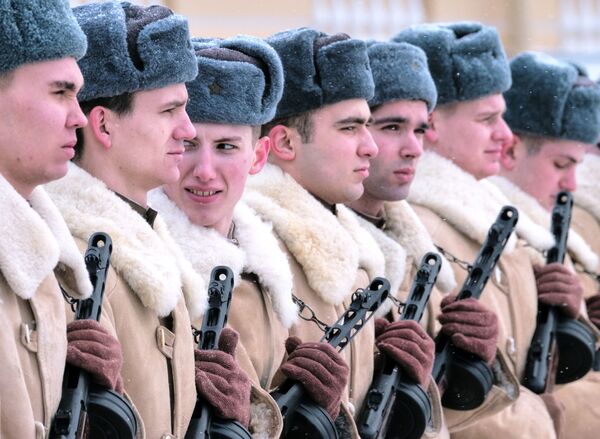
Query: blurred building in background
[(569, 29)]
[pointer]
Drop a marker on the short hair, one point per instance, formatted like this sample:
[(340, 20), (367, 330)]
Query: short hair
[(121, 104), (533, 143), (303, 123), (6, 78)]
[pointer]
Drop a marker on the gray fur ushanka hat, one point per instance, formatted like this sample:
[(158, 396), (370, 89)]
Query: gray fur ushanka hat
[(132, 48), (552, 98), (320, 69), (239, 82), (36, 31), (400, 73), (466, 59)]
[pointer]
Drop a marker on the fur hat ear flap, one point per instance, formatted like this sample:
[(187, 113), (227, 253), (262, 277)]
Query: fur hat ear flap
[(38, 30), (552, 98), (466, 59), (320, 70), (240, 81), (133, 48)]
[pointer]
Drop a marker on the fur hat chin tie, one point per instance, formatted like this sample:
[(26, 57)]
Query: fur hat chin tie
[(552, 98), (133, 48), (36, 31), (320, 70), (466, 59), (400, 73), (239, 82)]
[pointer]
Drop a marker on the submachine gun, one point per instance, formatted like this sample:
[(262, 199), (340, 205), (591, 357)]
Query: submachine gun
[(574, 342), (302, 417), (465, 378), (87, 409), (396, 406), (203, 424)]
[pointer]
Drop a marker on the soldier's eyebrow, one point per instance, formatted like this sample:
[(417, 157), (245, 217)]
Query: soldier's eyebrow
[(353, 120), (63, 85), (391, 119)]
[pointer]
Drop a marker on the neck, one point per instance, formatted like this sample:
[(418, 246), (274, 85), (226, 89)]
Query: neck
[(114, 180), (367, 206)]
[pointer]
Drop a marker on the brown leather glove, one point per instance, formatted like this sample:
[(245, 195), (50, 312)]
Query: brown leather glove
[(557, 286), (593, 309), (92, 348), (470, 326), (221, 382), (320, 369), (557, 412), (406, 343)]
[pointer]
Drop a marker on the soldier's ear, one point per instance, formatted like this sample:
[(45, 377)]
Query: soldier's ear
[(508, 153), (99, 122), (261, 153), (431, 134), (284, 141)]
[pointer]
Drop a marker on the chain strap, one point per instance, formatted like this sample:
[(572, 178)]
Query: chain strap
[(311, 316), (397, 303), (451, 258), (70, 300)]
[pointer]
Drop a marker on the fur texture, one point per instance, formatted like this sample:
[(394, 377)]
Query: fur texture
[(36, 242), (579, 250), (318, 75), (329, 248), (588, 189), (400, 73), (38, 30), (548, 98), (471, 206), (235, 91), (148, 259), (466, 59), (108, 69), (258, 251)]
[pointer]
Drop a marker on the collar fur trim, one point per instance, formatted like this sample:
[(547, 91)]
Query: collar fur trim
[(36, 242), (140, 253), (330, 255), (588, 189), (469, 206), (579, 250), (405, 227), (258, 251)]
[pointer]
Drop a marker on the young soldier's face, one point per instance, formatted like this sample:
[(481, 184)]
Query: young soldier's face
[(397, 128), (214, 169), (334, 164), (544, 173), (149, 140), (472, 133), (39, 114)]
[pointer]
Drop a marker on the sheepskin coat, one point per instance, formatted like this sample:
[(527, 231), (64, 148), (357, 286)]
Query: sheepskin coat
[(458, 221), (330, 256), (582, 397), (36, 253), (261, 309), (586, 212), (144, 304)]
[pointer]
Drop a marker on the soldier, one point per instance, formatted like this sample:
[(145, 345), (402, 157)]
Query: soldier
[(404, 95), (320, 152), (135, 70), (239, 82), (553, 109), (466, 132), (39, 81)]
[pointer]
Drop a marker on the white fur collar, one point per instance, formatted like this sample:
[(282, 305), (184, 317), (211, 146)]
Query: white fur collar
[(406, 228), (457, 197), (588, 189), (140, 253), (329, 254), (579, 250), (258, 251), (35, 242)]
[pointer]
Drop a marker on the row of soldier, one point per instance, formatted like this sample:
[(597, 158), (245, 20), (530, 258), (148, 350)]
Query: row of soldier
[(291, 160)]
